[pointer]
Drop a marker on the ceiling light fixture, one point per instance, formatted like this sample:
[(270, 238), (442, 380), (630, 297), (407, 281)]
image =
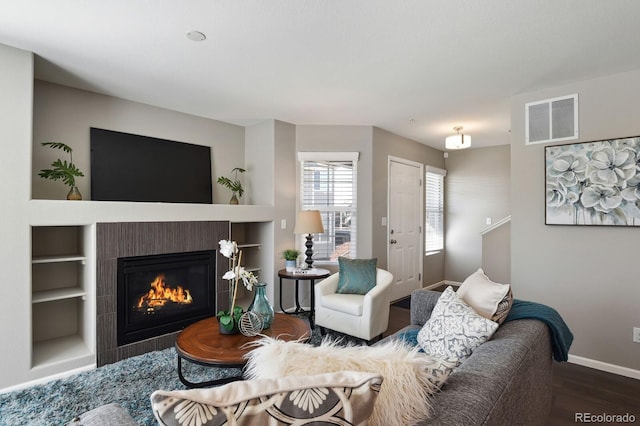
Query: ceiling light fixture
[(196, 36), (458, 141)]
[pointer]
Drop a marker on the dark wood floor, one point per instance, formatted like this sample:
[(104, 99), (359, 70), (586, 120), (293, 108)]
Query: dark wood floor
[(576, 389)]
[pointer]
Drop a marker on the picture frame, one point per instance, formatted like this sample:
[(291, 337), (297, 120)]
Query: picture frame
[(593, 183)]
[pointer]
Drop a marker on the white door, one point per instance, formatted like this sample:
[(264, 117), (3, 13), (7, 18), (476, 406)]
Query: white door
[(404, 226)]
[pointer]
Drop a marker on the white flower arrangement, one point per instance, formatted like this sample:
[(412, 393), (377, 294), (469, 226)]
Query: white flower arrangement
[(596, 183), (237, 273)]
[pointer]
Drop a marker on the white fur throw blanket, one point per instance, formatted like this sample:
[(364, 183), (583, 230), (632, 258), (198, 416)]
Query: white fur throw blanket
[(404, 397)]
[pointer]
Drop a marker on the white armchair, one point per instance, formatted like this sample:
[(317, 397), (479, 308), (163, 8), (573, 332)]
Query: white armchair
[(363, 316)]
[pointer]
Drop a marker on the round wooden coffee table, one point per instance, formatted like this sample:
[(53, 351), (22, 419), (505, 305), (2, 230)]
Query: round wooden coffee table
[(202, 343)]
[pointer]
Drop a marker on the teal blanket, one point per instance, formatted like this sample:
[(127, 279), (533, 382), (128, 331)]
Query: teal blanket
[(561, 336)]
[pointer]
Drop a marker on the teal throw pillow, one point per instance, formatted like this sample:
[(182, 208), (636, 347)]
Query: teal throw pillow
[(357, 276), (410, 336)]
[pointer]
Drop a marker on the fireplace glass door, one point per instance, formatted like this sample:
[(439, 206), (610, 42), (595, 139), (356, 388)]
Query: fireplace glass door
[(160, 294)]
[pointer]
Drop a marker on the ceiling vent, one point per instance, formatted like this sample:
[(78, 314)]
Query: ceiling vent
[(552, 120)]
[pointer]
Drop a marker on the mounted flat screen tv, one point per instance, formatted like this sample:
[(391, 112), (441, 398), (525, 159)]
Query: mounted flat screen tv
[(126, 167)]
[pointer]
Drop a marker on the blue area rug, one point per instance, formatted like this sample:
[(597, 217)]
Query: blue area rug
[(129, 383)]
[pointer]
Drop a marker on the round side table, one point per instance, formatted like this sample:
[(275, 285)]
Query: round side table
[(311, 276)]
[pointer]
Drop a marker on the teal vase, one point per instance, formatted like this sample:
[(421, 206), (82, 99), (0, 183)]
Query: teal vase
[(261, 305)]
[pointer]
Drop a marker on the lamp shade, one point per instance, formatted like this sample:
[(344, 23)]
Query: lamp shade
[(309, 222), (458, 141)]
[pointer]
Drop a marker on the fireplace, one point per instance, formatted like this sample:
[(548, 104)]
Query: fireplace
[(122, 240), (159, 294)]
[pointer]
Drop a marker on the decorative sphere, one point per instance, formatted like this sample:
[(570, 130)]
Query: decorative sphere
[(250, 324)]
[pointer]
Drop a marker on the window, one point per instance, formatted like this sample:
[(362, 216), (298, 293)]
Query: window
[(328, 183), (434, 203)]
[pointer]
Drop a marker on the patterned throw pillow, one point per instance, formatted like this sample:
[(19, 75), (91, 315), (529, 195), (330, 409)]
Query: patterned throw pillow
[(345, 398), (357, 276), (503, 308), (438, 369), (454, 329), (490, 299)]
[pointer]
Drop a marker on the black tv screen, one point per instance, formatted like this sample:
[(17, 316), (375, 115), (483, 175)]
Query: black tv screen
[(126, 167)]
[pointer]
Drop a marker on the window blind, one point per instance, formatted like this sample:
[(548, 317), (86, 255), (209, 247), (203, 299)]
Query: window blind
[(328, 184), (434, 205)]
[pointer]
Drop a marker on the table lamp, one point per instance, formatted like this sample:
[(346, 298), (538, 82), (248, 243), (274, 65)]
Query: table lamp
[(309, 222)]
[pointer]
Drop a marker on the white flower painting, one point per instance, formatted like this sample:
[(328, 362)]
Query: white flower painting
[(593, 183)]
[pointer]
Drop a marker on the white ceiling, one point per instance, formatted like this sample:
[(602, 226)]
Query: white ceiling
[(413, 67)]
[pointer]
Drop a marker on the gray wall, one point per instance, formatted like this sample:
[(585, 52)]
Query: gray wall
[(387, 144), (477, 186), (271, 177), (496, 253), (375, 146), (347, 139), (65, 114), (259, 163), (285, 189), (586, 273)]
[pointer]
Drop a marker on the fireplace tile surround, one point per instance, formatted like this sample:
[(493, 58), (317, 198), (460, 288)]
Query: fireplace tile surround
[(125, 239)]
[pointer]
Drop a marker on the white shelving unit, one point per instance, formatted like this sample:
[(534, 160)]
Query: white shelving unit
[(248, 236), (59, 325), (62, 318), (251, 264), (57, 294)]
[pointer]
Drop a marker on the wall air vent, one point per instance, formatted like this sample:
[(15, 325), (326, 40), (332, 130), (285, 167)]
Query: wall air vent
[(552, 120)]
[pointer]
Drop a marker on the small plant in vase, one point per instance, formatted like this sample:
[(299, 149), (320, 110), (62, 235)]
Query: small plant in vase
[(233, 184), (230, 319), (67, 172), (290, 256)]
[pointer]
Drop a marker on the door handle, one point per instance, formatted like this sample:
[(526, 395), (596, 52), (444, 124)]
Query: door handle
[(392, 242)]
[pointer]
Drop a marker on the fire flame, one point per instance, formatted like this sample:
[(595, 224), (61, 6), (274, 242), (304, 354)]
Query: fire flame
[(159, 294)]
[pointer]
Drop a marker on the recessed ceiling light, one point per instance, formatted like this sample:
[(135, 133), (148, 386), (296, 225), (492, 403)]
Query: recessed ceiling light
[(196, 36)]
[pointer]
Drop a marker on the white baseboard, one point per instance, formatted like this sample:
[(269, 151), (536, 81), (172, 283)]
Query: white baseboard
[(444, 282), (47, 379), (603, 366), (432, 286)]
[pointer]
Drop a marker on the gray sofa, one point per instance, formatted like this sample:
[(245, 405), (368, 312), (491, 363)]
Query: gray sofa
[(505, 381)]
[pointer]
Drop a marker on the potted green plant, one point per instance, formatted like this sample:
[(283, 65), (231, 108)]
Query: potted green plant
[(290, 256), (61, 170), (233, 184)]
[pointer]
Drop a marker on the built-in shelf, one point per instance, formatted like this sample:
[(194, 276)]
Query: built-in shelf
[(59, 259), (57, 294), (64, 212), (62, 316), (250, 239), (249, 245), (58, 350), (63, 268)]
